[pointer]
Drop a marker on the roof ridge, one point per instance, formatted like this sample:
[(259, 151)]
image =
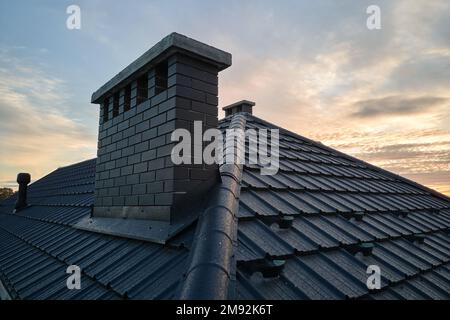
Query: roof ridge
[(212, 253), (369, 165)]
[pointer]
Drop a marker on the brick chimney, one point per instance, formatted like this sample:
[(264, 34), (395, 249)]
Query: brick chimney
[(170, 86)]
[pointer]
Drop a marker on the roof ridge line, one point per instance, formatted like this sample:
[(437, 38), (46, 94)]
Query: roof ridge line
[(211, 260), (371, 166)]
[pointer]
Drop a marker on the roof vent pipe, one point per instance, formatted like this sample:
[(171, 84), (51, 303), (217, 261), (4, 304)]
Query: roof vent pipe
[(23, 179)]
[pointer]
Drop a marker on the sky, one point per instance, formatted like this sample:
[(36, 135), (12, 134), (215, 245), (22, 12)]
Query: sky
[(312, 67)]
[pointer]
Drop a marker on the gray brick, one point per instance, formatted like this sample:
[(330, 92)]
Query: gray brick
[(141, 147), (211, 99), (104, 175), (203, 86), (139, 189), (155, 187), (190, 115), (114, 173), (204, 107), (162, 199), (125, 190), (171, 104), (110, 148), (147, 177), (119, 181), (122, 144), (150, 134), (164, 150), (140, 167), (131, 200), (179, 79), (152, 112), (108, 183), (144, 106), (136, 119), (111, 131), (129, 132), (107, 201), (113, 192), (117, 137), (167, 127), (156, 164), (159, 98), (126, 170), (149, 155), (187, 93), (116, 154), (157, 142), (200, 174), (164, 174), (110, 165), (123, 125), (147, 200), (142, 126), (128, 151), (135, 139), (158, 120), (133, 179), (121, 162), (118, 201), (135, 158)]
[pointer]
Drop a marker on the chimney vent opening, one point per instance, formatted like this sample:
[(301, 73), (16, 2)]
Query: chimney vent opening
[(161, 75), (142, 89), (106, 110), (127, 98), (116, 104)]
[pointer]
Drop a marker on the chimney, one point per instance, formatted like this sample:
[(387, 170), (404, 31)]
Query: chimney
[(240, 106), (23, 179), (169, 87)]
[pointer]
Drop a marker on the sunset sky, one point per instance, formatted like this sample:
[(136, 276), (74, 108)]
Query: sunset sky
[(312, 67)]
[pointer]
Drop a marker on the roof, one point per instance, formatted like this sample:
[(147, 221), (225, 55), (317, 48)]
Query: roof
[(317, 224)]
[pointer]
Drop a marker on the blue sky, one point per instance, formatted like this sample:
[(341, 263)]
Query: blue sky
[(312, 67)]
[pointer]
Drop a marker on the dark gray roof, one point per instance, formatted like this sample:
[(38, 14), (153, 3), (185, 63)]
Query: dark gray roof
[(337, 204)]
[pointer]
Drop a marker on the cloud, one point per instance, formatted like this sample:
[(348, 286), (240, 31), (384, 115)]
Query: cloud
[(37, 134), (396, 105)]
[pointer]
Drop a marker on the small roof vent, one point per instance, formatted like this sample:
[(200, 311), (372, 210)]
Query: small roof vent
[(268, 268), (401, 213), (283, 221), (357, 216), (240, 106), (365, 248), (418, 238), (23, 179)]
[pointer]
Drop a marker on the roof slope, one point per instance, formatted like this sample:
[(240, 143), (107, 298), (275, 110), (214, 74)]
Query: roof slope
[(38, 243), (337, 203)]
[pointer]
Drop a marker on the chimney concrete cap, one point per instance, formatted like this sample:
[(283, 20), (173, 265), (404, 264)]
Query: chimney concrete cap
[(23, 178), (171, 44), (239, 103)]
